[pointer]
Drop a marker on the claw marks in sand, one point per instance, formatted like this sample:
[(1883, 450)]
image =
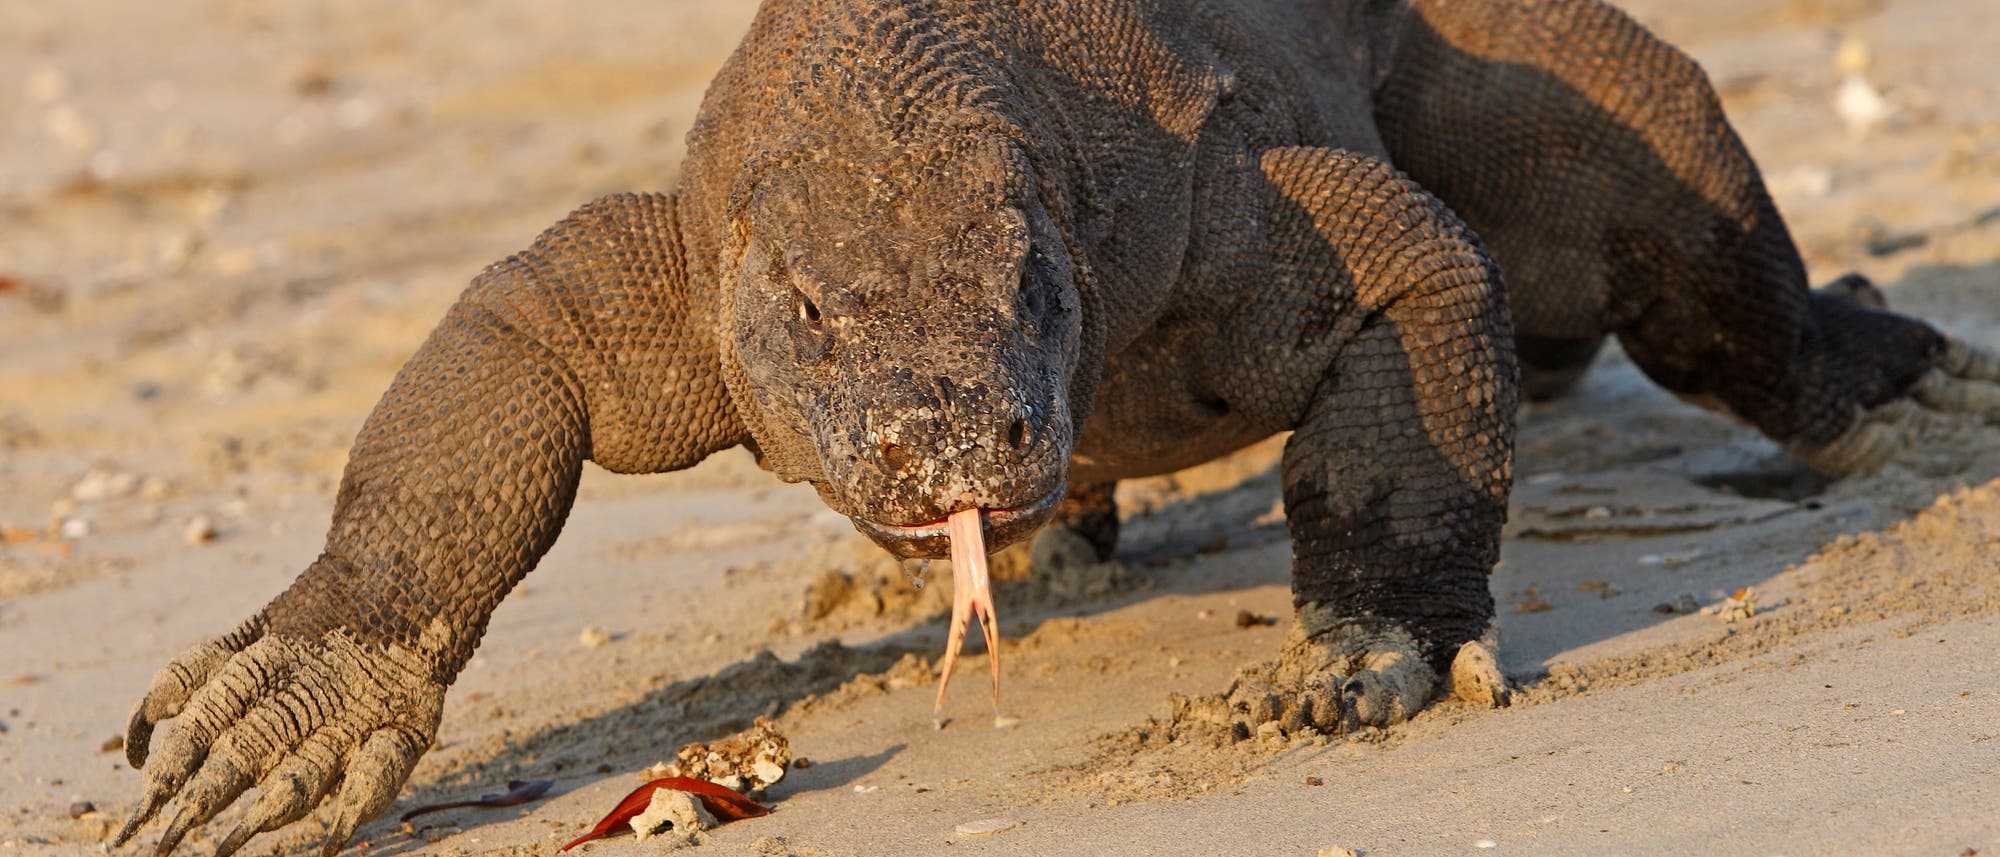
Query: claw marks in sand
[(971, 594)]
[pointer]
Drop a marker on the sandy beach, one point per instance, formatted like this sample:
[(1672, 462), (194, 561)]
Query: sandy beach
[(225, 224)]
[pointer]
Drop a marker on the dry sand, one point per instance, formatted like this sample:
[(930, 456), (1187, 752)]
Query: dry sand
[(224, 224)]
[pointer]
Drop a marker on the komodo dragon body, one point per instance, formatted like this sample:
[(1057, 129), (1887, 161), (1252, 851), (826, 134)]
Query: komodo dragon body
[(932, 255)]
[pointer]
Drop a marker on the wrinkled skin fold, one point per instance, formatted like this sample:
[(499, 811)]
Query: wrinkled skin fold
[(945, 258)]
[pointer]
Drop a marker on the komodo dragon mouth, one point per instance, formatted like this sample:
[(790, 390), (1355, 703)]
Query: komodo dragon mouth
[(965, 535), (932, 539)]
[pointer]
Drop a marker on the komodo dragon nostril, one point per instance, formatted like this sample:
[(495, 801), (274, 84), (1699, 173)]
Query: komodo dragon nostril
[(894, 457), (1017, 434)]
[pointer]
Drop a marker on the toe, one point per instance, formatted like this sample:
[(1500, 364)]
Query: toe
[(173, 686), (156, 796), (1476, 676), (288, 792), (219, 783), (1961, 360), (374, 774), (1941, 391), (1391, 686)]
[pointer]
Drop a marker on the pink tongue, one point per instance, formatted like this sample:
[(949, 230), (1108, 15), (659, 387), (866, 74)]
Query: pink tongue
[(971, 593)]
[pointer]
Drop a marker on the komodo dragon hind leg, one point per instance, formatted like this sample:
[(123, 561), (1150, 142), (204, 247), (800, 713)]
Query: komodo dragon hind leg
[(1596, 163), (1396, 477)]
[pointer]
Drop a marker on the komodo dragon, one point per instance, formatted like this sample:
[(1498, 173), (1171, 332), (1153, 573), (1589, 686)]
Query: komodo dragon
[(933, 255)]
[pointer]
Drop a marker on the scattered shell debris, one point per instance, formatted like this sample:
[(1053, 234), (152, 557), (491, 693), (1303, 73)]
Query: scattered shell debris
[(200, 530), (985, 827), (749, 761), (1740, 605), (98, 485), (1858, 102), (672, 813)]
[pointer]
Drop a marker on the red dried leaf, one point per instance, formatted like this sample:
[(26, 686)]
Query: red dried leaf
[(518, 792), (722, 802)]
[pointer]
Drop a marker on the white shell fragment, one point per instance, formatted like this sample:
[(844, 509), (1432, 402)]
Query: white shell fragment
[(669, 805), (748, 761)]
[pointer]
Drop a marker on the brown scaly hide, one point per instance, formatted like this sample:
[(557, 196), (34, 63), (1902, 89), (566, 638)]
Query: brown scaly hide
[(936, 254)]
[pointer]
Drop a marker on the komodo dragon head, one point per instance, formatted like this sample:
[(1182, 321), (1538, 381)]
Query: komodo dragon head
[(913, 318)]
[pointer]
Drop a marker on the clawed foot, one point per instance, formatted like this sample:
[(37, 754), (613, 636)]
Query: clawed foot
[(1963, 382), (1337, 675), (303, 722)]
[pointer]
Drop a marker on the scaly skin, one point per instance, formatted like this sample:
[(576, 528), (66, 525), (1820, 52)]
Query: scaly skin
[(938, 257)]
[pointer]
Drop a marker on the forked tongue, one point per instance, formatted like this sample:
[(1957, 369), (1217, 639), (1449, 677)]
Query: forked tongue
[(971, 593)]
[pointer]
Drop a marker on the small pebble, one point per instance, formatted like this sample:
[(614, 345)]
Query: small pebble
[(97, 486), (1485, 843), (75, 528), (594, 637), (802, 763), (1337, 851), (81, 808), (112, 744), (985, 827), (1315, 781), (199, 530)]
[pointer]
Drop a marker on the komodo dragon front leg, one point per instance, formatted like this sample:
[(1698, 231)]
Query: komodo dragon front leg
[(586, 346), (1396, 478)]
